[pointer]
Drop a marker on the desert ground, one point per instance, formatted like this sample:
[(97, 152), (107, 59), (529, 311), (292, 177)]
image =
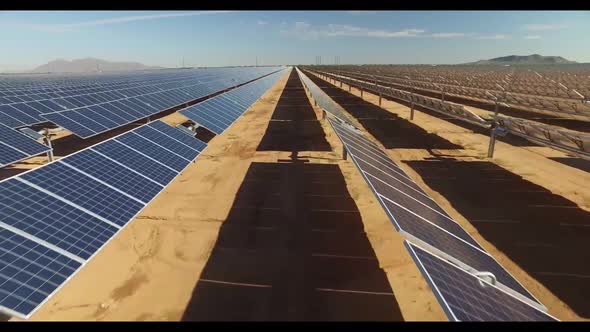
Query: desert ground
[(270, 223)]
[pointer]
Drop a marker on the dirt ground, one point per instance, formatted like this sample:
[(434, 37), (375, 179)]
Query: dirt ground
[(153, 269), (544, 170)]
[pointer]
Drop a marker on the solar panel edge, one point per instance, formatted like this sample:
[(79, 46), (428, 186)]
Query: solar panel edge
[(410, 247), (430, 282)]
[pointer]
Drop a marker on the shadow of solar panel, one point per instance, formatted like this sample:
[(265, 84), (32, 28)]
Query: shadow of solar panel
[(465, 297)]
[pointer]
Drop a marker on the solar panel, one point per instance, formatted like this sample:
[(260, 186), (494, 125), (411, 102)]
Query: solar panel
[(89, 113), (414, 213), (153, 150), (31, 133), (15, 146), (66, 211), (115, 174), (29, 273), (220, 112), (52, 220), (66, 182), (466, 297)]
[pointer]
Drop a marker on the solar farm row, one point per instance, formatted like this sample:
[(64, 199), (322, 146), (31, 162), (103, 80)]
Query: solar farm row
[(422, 221), (55, 218), (444, 107), (221, 111), (535, 92), (16, 146), (569, 141), (84, 112)]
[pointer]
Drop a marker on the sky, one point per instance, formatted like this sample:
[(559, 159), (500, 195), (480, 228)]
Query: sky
[(226, 38)]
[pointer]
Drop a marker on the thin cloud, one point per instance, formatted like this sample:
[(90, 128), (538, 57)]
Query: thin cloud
[(544, 27), (61, 27), (494, 37), (306, 31), (532, 37), (448, 35), (260, 22)]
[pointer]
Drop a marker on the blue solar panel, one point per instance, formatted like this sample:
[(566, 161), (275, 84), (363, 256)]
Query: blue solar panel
[(192, 142), (15, 146), (85, 192), (465, 297), (72, 125), (153, 150), (116, 175), (167, 142), (136, 161), (51, 220), (29, 272), (218, 113)]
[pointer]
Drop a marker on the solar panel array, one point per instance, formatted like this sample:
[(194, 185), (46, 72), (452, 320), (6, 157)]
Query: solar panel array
[(16, 146), (322, 99), (221, 111), (419, 217), (456, 111), (55, 218), (560, 139), (466, 297), (88, 107)]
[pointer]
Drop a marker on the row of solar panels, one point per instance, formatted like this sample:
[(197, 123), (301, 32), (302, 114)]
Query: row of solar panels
[(53, 219), (556, 106), (450, 259), (151, 96), (16, 146), (321, 98), (420, 219), (221, 111), (51, 86), (565, 140), (444, 107)]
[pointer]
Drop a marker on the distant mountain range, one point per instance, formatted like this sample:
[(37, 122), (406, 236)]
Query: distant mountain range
[(89, 65), (533, 59)]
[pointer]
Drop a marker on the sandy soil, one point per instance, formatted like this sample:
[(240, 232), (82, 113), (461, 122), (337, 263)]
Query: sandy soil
[(530, 163)]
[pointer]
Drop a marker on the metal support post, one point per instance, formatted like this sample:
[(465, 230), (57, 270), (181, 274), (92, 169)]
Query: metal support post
[(323, 114), (361, 92), (344, 153), (50, 152), (380, 96), (492, 141)]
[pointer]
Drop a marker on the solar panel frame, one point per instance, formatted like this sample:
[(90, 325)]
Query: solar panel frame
[(429, 263)]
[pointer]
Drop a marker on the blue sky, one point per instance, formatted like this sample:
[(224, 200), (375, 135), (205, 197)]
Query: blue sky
[(31, 38)]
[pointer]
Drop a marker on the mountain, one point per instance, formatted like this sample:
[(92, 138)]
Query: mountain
[(88, 65), (534, 59)]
